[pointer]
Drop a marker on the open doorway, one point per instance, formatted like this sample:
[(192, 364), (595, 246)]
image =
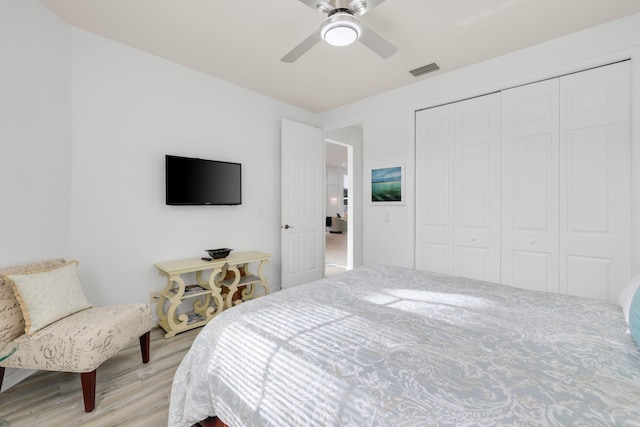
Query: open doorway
[(336, 208), (343, 205)]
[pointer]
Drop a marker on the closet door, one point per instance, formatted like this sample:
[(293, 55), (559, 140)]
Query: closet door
[(595, 181), (435, 139), (530, 192), (458, 189), (477, 188)]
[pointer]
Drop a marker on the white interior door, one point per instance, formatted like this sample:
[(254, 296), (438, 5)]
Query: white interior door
[(530, 187), (302, 204), (595, 179), (477, 188)]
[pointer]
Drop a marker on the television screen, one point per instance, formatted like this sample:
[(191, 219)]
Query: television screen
[(191, 181)]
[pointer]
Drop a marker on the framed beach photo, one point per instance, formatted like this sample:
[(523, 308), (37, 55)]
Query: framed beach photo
[(387, 185)]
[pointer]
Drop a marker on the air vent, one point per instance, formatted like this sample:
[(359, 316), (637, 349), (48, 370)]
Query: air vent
[(425, 69)]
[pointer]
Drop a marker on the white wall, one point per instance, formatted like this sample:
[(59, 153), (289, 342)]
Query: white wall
[(129, 110), (35, 133), (35, 139), (389, 120)]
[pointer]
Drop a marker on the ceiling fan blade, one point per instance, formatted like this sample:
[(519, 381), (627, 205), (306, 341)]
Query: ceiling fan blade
[(302, 48), (360, 7), (319, 5), (375, 42)]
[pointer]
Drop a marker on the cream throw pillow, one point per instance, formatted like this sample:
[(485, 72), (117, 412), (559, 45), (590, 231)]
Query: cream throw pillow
[(49, 295)]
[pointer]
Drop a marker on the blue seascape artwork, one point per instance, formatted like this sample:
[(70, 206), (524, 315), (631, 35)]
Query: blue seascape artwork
[(386, 184)]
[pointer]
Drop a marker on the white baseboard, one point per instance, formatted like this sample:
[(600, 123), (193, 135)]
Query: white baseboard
[(14, 376)]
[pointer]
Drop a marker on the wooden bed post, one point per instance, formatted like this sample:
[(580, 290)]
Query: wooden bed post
[(211, 422)]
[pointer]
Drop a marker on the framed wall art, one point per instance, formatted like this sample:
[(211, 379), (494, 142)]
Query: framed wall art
[(387, 185)]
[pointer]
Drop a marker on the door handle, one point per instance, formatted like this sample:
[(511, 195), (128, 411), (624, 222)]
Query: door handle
[(287, 226)]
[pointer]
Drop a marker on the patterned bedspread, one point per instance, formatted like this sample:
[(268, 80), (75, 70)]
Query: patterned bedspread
[(386, 346)]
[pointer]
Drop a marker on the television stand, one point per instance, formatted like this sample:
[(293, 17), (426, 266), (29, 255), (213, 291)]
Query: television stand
[(221, 283)]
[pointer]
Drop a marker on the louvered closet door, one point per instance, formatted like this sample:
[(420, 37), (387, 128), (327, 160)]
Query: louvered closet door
[(457, 188), (530, 192), (435, 141), (595, 181)]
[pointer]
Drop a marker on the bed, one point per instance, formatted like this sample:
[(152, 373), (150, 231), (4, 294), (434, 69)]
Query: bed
[(387, 346)]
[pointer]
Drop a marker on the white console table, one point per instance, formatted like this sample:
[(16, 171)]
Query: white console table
[(212, 294)]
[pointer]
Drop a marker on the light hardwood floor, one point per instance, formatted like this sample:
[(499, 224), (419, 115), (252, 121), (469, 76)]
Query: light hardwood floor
[(335, 253), (128, 392)]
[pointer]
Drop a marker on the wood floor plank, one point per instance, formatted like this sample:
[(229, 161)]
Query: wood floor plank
[(128, 392)]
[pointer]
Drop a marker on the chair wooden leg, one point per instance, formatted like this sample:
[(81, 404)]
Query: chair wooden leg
[(145, 341), (1, 376), (89, 390)]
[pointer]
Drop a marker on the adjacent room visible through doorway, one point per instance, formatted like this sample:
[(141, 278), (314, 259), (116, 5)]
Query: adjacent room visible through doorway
[(344, 204), (337, 208)]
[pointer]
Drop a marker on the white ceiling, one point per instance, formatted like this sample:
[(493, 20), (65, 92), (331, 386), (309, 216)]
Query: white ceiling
[(242, 41)]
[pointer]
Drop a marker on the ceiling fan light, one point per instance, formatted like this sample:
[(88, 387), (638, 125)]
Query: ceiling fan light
[(341, 35), (340, 29)]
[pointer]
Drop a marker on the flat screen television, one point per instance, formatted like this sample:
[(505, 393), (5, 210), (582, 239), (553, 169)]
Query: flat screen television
[(191, 181)]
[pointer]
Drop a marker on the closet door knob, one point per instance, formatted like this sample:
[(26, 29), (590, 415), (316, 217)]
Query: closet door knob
[(473, 239), (532, 241)]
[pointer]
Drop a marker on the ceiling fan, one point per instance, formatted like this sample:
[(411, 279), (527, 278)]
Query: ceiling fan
[(342, 27)]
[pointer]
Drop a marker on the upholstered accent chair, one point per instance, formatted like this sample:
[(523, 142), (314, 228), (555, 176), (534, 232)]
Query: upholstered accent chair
[(338, 225), (78, 342)]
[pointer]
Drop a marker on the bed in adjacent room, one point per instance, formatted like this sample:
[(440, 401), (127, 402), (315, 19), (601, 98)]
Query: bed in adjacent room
[(387, 346)]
